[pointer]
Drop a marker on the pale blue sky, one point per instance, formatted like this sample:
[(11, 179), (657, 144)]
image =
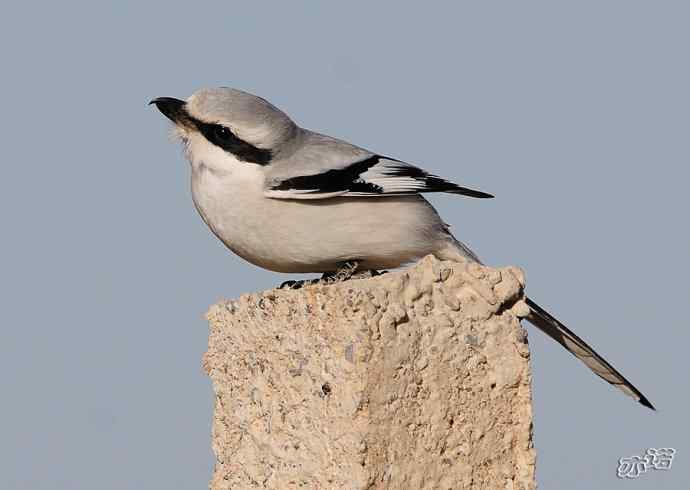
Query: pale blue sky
[(575, 115)]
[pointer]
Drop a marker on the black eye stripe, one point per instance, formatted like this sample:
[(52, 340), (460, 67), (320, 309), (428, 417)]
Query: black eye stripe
[(224, 138), (222, 134)]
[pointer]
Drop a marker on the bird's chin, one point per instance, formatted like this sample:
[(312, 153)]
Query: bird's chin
[(179, 135)]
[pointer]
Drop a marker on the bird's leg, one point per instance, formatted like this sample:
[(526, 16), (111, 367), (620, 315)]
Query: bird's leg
[(344, 272)]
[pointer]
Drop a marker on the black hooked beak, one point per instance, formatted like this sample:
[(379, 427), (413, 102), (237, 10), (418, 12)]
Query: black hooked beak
[(173, 109)]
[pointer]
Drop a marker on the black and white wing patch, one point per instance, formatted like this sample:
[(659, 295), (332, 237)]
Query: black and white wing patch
[(372, 176)]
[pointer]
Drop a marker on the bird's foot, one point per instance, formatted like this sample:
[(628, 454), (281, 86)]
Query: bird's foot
[(366, 274), (346, 271), (297, 284), (349, 270)]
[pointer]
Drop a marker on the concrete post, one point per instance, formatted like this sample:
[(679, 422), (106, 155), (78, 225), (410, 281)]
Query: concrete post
[(417, 379)]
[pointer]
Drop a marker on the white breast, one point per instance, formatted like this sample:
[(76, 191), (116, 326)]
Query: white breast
[(227, 200)]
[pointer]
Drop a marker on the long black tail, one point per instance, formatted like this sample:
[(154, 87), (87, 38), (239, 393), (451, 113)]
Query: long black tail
[(545, 322)]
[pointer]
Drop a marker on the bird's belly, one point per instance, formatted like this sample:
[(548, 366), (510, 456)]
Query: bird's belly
[(315, 235)]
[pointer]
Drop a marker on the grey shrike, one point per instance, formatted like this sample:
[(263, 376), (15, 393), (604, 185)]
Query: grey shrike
[(291, 200)]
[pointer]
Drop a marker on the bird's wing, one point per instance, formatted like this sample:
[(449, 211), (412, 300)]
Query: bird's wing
[(371, 175), (545, 322), (319, 166)]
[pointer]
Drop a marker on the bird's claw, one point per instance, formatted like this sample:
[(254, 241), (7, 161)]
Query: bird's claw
[(346, 271), (292, 285)]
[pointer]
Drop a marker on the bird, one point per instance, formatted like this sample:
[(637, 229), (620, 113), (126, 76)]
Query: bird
[(292, 200)]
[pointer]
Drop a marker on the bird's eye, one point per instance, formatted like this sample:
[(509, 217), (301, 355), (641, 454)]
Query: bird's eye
[(222, 133)]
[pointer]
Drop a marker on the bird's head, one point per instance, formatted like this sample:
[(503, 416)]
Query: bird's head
[(222, 126)]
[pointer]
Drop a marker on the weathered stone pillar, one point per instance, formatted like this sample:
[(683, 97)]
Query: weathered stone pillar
[(418, 379)]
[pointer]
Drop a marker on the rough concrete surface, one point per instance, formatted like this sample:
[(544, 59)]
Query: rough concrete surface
[(417, 379)]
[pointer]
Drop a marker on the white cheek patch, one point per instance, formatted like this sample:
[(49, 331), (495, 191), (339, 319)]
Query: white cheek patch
[(207, 157), (200, 150)]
